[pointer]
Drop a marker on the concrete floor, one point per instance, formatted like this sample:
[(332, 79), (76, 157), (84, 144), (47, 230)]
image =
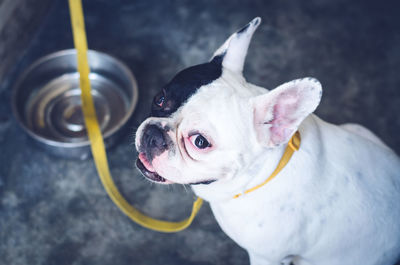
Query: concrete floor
[(55, 211)]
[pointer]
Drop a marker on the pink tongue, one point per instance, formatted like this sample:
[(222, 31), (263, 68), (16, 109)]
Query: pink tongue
[(146, 163)]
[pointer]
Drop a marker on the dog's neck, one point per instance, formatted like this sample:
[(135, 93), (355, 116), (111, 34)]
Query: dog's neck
[(252, 175), (258, 171)]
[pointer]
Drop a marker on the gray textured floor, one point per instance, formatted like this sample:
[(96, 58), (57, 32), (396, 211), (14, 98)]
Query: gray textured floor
[(54, 211)]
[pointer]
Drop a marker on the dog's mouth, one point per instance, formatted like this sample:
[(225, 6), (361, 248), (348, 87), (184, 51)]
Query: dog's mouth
[(147, 170)]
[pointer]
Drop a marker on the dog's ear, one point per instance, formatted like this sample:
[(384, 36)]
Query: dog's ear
[(278, 113), (234, 49)]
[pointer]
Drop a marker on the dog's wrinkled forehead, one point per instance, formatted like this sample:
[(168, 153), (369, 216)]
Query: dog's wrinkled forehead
[(185, 84)]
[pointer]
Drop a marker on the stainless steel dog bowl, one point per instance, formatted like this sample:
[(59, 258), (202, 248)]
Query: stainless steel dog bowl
[(46, 101)]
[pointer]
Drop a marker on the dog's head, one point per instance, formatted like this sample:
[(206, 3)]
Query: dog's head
[(208, 123)]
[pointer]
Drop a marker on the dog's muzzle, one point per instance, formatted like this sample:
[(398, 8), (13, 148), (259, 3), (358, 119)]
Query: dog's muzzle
[(153, 143)]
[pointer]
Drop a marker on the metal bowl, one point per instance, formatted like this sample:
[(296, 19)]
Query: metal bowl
[(47, 104)]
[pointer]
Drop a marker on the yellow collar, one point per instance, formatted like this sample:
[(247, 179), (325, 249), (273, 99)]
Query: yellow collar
[(293, 145)]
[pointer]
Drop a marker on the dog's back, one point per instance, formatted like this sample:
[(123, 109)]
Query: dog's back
[(362, 194)]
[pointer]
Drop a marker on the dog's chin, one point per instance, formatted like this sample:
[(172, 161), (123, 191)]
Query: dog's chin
[(144, 166)]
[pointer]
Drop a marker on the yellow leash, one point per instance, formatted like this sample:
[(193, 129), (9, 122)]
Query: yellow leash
[(97, 142), (293, 145), (96, 138)]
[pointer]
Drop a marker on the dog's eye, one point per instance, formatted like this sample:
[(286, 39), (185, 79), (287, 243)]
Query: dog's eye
[(159, 99), (199, 141)]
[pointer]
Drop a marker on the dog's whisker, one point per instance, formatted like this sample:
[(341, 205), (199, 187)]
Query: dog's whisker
[(185, 188)]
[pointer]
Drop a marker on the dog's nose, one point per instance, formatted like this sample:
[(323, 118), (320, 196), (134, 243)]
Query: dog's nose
[(153, 141)]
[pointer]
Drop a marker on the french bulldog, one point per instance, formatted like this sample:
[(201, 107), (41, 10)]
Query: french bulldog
[(336, 202)]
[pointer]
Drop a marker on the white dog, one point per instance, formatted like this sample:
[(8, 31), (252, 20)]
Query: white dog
[(336, 202)]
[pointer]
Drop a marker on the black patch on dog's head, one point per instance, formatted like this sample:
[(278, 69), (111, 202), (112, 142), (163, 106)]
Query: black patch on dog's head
[(185, 84)]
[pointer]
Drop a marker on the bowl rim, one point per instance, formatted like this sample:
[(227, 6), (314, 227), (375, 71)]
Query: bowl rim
[(16, 88)]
